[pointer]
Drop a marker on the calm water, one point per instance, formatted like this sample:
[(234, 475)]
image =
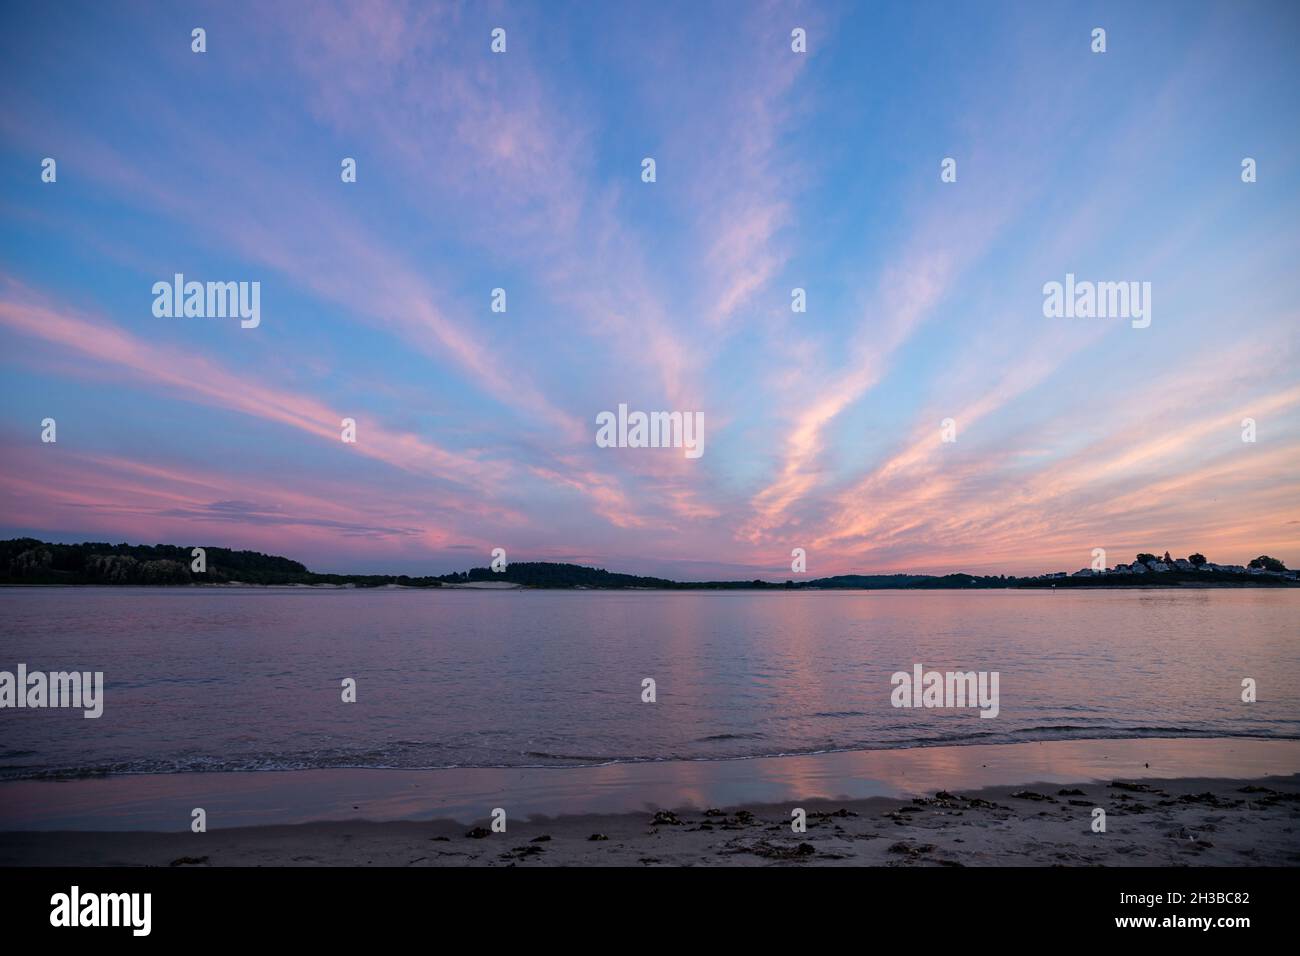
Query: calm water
[(199, 679)]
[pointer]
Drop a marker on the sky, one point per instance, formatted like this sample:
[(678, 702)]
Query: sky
[(774, 170)]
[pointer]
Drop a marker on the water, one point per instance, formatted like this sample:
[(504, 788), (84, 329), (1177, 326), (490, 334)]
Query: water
[(200, 679)]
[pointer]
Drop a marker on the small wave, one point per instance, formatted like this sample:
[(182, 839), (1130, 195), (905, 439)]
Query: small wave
[(404, 759)]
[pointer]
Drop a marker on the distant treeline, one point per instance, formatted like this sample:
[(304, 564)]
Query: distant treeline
[(29, 561), (543, 574), (1165, 579)]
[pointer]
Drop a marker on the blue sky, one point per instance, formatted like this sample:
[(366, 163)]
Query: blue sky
[(775, 170)]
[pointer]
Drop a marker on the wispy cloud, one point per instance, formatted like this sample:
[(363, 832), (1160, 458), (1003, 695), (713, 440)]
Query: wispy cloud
[(775, 170)]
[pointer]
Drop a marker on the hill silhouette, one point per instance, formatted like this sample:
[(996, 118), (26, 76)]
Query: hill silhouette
[(28, 561)]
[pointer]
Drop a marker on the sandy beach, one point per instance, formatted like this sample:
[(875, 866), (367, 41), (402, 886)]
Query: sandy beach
[(1167, 802), (1181, 822)]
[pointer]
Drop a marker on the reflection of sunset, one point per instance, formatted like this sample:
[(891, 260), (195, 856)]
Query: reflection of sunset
[(162, 802)]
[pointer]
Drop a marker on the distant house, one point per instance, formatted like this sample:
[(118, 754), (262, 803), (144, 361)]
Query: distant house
[(1182, 564), (1137, 567), (1122, 569), (1157, 566), (1083, 573)]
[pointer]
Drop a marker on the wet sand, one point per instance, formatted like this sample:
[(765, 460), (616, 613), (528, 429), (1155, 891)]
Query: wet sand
[(1170, 801), (163, 802), (1181, 822)]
